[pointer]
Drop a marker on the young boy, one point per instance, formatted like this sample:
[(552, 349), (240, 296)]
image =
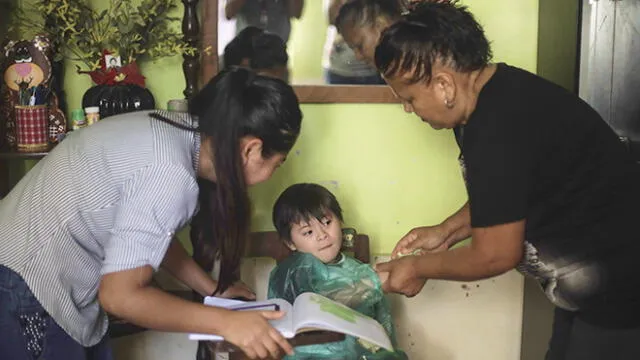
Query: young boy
[(309, 219)]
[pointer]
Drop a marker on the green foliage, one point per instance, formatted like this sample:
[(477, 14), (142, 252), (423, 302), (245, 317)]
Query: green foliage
[(133, 32)]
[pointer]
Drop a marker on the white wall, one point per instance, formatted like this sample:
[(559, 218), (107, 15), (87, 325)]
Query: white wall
[(537, 321)]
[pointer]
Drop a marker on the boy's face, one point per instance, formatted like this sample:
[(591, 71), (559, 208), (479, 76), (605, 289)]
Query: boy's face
[(321, 238)]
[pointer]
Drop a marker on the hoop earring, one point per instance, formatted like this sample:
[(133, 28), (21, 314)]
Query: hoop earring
[(449, 104)]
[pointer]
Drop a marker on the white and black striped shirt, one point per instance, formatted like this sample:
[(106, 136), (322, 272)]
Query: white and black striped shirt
[(108, 198)]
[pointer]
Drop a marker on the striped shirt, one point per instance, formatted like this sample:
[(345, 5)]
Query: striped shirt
[(108, 198)]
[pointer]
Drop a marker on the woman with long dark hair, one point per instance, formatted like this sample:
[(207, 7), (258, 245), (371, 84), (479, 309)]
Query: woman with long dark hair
[(83, 232)]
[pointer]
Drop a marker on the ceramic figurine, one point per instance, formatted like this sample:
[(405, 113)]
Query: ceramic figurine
[(27, 64)]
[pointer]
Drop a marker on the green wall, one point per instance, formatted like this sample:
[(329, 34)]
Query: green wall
[(557, 41), (390, 171), (511, 27), (306, 42)]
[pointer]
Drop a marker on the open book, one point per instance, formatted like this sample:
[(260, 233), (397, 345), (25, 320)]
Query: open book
[(309, 312)]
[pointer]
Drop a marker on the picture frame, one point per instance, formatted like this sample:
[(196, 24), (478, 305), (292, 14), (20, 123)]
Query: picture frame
[(112, 61)]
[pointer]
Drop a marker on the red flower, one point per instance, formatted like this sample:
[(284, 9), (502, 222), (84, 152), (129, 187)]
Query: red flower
[(128, 74)]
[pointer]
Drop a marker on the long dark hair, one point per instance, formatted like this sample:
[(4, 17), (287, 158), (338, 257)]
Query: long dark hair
[(430, 32), (234, 104)]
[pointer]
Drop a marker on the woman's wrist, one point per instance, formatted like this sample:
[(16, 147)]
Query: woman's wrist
[(448, 228), (457, 227), (218, 320)]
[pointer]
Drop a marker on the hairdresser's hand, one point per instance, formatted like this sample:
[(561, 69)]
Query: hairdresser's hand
[(252, 333), (421, 240), (239, 290), (401, 276)]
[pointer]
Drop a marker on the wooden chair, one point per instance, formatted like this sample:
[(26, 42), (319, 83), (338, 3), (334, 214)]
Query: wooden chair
[(269, 245)]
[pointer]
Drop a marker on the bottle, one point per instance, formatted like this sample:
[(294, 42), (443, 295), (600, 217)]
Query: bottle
[(92, 114), (77, 119)]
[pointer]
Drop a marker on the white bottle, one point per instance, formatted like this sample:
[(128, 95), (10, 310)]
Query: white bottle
[(93, 114)]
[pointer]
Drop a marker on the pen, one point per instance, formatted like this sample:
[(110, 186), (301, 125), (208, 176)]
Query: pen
[(32, 99), (254, 307)]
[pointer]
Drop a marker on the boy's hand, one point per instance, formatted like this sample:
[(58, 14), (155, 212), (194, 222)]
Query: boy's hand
[(239, 290)]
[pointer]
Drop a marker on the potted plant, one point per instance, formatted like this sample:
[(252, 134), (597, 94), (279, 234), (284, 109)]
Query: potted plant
[(110, 43)]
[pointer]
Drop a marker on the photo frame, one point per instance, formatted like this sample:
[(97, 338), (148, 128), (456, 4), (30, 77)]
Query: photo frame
[(112, 61)]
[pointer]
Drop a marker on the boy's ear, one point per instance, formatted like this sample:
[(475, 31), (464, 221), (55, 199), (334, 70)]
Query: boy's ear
[(290, 245)]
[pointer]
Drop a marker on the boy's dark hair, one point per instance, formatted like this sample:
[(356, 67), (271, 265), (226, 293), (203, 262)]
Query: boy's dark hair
[(432, 32), (263, 49), (360, 13), (301, 202)]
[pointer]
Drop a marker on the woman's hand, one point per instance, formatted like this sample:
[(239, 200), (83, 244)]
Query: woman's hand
[(239, 290), (421, 240), (252, 333), (401, 276)]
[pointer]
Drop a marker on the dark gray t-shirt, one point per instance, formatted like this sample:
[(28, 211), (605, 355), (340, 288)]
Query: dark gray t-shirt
[(534, 151)]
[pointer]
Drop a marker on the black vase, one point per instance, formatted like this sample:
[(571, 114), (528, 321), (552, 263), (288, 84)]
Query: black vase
[(118, 99)]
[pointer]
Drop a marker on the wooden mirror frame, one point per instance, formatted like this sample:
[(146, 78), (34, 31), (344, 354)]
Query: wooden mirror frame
[(315, 94)]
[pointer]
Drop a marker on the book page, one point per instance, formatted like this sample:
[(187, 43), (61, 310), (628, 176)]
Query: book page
[(284, 324), (313, 312)]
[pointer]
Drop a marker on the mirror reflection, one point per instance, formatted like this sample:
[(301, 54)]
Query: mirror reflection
[(310, 42)]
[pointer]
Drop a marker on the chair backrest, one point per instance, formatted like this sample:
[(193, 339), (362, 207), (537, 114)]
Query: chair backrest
[(269, 244)]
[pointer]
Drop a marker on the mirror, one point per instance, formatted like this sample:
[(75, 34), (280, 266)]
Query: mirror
[(317, 53), (311, 41)]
